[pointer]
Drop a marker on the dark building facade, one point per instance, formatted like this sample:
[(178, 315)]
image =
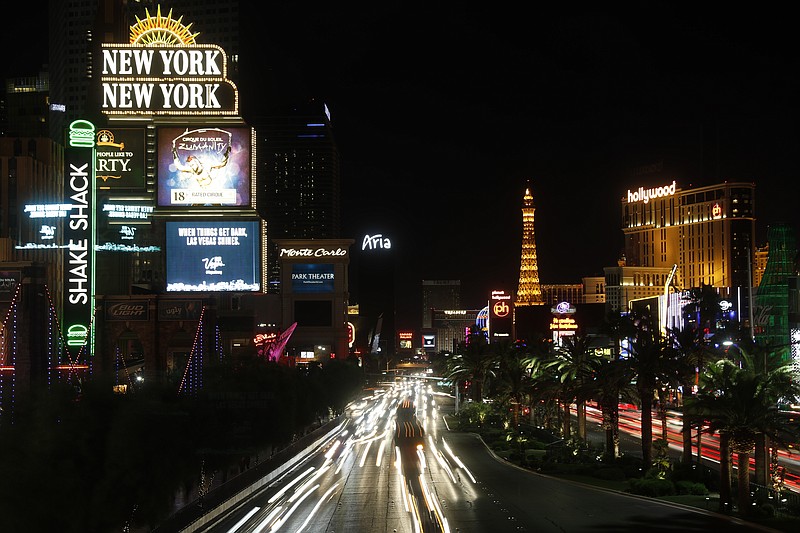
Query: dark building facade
[(299, 182), (373, 289)]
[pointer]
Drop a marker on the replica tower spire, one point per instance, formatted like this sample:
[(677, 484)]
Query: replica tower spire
[(529, 291)]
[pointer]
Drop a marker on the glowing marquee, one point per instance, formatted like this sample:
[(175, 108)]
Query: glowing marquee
[(645, 195), (164, 72), (562, 324), (309, 252), (376, 242)]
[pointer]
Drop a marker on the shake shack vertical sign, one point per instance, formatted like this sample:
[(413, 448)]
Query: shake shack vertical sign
[(79, 232), (118, 310)]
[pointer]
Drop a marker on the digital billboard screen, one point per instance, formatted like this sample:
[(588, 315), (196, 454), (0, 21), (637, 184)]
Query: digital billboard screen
[(213, 256), (204, 167), (119, 158), (124, 224)]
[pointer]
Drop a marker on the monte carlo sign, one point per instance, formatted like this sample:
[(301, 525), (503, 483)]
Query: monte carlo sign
[(165, 72)]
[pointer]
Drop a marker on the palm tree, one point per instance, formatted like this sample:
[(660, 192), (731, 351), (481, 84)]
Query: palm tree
[(512, 377), (740, 401), (576, 364), (544, 389), (472, 363), (695, 343), (611, 384), (692, 353), (651, 362), (614, 381)]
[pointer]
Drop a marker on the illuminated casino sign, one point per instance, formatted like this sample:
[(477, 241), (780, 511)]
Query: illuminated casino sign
[(716, 211), (645, 195), (501, 316), (501, 306), (165, 72), (376, 242), (562, 324), (563, 308), (313, 252)]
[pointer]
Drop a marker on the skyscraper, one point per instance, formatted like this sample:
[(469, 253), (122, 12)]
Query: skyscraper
[(529, 292), (298, 172), (706, 231), (439, 294)]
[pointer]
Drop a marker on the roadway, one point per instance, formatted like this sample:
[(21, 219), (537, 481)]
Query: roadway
[(362, 478), (630, 435)]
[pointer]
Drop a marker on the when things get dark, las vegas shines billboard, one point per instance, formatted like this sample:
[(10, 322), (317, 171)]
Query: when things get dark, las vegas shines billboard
[(218, 255)]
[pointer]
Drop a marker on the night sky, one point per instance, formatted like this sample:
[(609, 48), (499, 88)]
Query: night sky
[(444, 114)]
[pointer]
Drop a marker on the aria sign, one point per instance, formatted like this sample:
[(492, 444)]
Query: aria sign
[(376, 242)]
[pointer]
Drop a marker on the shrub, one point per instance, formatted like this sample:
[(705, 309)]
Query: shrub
[(576, 469), (695, 473), (652, 487), (610, 473), (499, 445), (690, 487), (503, 454), (494, 436), (765, 510)]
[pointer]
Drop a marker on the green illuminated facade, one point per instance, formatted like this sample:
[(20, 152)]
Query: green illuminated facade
[(771, 316)]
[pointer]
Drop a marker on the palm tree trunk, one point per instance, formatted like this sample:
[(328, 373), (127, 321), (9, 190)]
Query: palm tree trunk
[(615, 429), (743, 479), (724, 473), (610, 409), (608, 428), (686, 431), (581, 412), (662, 413), (762, 460), (700, 443), (647, 427), (567, 432)]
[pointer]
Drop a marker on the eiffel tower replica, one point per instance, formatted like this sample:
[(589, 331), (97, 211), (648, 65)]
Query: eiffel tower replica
[(529, 291)]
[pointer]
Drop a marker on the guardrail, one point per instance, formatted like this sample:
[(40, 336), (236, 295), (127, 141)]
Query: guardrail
[(202, 512)]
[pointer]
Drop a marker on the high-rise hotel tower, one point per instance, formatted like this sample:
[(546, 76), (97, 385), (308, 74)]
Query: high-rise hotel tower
[(707, 232)]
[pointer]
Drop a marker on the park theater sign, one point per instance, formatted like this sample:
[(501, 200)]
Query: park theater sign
[(165, 73)]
